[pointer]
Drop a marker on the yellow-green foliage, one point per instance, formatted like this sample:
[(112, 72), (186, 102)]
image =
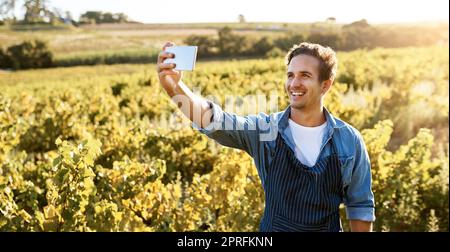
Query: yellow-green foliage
[(96, 148)]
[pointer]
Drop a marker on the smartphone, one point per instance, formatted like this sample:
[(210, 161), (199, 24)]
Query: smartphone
[(185, 57)]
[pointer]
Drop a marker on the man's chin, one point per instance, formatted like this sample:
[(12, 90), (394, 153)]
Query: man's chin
[(297, 106)]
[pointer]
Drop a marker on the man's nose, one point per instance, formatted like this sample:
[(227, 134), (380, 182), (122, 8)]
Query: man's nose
[(296, 82)]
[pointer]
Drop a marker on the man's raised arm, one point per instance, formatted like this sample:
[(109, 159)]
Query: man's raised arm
[(195, 107), (231, 130)]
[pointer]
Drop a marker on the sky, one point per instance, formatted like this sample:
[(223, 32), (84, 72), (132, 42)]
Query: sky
[(198, 11)]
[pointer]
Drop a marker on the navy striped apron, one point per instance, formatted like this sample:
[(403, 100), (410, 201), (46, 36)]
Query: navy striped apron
[(301, 198)]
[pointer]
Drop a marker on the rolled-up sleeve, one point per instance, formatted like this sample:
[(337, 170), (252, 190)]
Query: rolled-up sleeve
[(359, 198), (231, 130), (216, 118)]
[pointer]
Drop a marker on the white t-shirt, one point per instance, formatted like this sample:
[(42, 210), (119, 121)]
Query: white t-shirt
[(308, 141)]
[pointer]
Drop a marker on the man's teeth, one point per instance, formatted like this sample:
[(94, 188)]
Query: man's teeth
[(297, 93)]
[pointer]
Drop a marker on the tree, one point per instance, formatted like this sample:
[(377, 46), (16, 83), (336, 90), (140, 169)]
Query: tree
[(333, 40), (331, 20), (206, 44), (29, 54), (358, 24), (107, 18), (68, 19), (98, 17), (36, 11), (121, 17), (91, 17), (241, 18), (5, 61), (262, 46), (230, 44), (359, 34), (7, 7), (56, 16), (287, 41)]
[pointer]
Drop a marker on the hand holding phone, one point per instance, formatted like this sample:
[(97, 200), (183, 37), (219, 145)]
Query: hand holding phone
[(185, 57)]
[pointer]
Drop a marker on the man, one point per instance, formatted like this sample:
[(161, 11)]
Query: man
[(313, 163)]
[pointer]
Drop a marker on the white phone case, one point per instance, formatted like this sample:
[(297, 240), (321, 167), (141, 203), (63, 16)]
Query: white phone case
[(185, 57)]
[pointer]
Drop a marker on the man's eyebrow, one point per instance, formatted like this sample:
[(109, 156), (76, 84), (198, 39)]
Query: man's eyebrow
[(302, 72)]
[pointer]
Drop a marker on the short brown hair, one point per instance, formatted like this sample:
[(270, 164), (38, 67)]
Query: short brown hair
[(325, 55)]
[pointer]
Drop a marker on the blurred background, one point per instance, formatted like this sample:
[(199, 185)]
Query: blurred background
[(87, 136)]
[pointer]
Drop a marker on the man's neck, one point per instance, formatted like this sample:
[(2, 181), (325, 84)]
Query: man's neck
[(308, 118)]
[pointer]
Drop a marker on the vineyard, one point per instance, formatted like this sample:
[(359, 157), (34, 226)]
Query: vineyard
[(99, 148)]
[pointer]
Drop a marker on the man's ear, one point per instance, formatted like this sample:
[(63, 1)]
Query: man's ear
[(326, 85)]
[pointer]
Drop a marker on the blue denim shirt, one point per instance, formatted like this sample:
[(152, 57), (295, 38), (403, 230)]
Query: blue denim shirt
[(256, 134)]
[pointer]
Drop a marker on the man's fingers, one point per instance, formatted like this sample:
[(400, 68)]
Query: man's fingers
[(169, 72), (167, 44), (164, 55), (164, 66)]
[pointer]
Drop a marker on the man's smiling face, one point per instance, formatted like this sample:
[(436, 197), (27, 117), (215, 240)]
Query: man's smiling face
[(302, 85)]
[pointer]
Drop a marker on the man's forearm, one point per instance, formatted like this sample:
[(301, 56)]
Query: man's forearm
[(193, 106), (360, 226)]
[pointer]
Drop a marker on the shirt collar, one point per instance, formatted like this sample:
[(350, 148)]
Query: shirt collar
[(284, 120), (285, 132)]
